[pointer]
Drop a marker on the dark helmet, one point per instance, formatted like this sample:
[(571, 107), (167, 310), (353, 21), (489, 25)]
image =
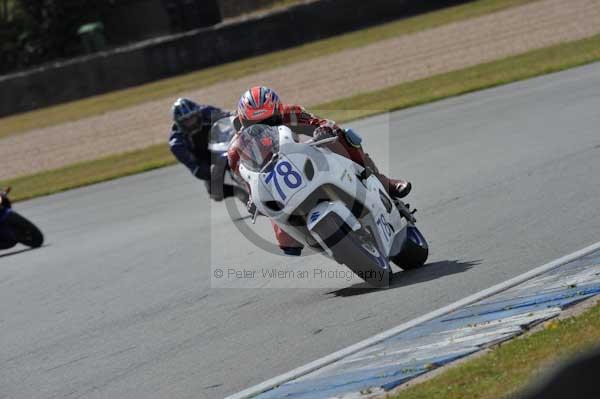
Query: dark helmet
[(187, 115)]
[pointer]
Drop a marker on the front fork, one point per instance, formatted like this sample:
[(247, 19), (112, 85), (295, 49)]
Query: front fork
[(405, 211)]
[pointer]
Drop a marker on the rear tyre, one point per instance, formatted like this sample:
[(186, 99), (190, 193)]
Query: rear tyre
[(24, 231), (415, 251), (350, 249)]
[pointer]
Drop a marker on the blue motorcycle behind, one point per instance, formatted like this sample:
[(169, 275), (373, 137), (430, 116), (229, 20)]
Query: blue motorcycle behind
[(223, 182), (16, 229)]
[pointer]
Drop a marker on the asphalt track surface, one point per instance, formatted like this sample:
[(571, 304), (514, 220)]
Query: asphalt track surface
[(119, 303)]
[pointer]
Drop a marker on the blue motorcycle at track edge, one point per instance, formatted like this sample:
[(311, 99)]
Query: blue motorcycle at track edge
[(16, 229)]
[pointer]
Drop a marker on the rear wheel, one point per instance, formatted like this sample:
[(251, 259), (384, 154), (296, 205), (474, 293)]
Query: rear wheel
[(415, 251), (353, 250), (24, 231)]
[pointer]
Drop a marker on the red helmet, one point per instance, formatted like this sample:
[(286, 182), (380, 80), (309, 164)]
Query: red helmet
[(258, 104)]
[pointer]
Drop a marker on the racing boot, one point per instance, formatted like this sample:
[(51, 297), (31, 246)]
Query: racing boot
[(287, 243), (397, 188)]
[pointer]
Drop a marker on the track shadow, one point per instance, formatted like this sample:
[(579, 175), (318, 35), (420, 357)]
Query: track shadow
[(16, 252), (430, 271), (240, 218)]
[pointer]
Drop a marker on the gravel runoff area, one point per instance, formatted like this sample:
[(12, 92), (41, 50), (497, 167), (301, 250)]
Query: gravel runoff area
[(376, 66)]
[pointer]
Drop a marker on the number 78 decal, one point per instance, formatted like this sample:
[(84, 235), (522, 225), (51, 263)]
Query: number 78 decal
[(291, 179), (384, 227)]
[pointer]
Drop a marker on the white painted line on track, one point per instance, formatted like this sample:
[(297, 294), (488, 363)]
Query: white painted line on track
[(326, 360)]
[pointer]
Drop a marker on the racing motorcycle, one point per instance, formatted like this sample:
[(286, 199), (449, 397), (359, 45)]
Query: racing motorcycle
[(15, 228), (222, 178), (330, 203)]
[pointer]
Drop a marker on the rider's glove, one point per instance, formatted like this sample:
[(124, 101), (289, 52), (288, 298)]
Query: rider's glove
[(324, 132)]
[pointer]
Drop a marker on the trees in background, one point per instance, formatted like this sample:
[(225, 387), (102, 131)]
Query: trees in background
[(36, 31), (33, 32)]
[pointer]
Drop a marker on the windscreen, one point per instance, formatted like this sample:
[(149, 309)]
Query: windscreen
[(222, 131), (257, 145)]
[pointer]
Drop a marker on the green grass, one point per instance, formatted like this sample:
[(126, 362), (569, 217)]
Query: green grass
[(86, 173), (534, 63), (510, 367), (173, 86), (479, 77)]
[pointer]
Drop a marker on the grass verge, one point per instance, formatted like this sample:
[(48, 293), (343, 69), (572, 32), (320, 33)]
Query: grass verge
[(173, 86), (479, 77), (86, 173), (508, 368), (495, 73)]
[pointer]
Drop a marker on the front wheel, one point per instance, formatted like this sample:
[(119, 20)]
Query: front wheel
[(349, 248), (216, 185), (24, 231), (415, 251)]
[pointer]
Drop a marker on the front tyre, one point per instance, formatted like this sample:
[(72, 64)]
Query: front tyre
[(215, 185), (24, 231), (349, 248), (415, 251)]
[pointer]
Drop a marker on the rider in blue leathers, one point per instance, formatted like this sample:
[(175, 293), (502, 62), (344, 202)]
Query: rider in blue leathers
[(190, 136)]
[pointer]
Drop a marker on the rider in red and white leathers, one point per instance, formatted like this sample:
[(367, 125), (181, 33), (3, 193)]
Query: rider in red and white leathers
[(262, 105)]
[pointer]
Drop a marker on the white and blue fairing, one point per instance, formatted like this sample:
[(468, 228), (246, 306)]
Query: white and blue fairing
[(299, 170)]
